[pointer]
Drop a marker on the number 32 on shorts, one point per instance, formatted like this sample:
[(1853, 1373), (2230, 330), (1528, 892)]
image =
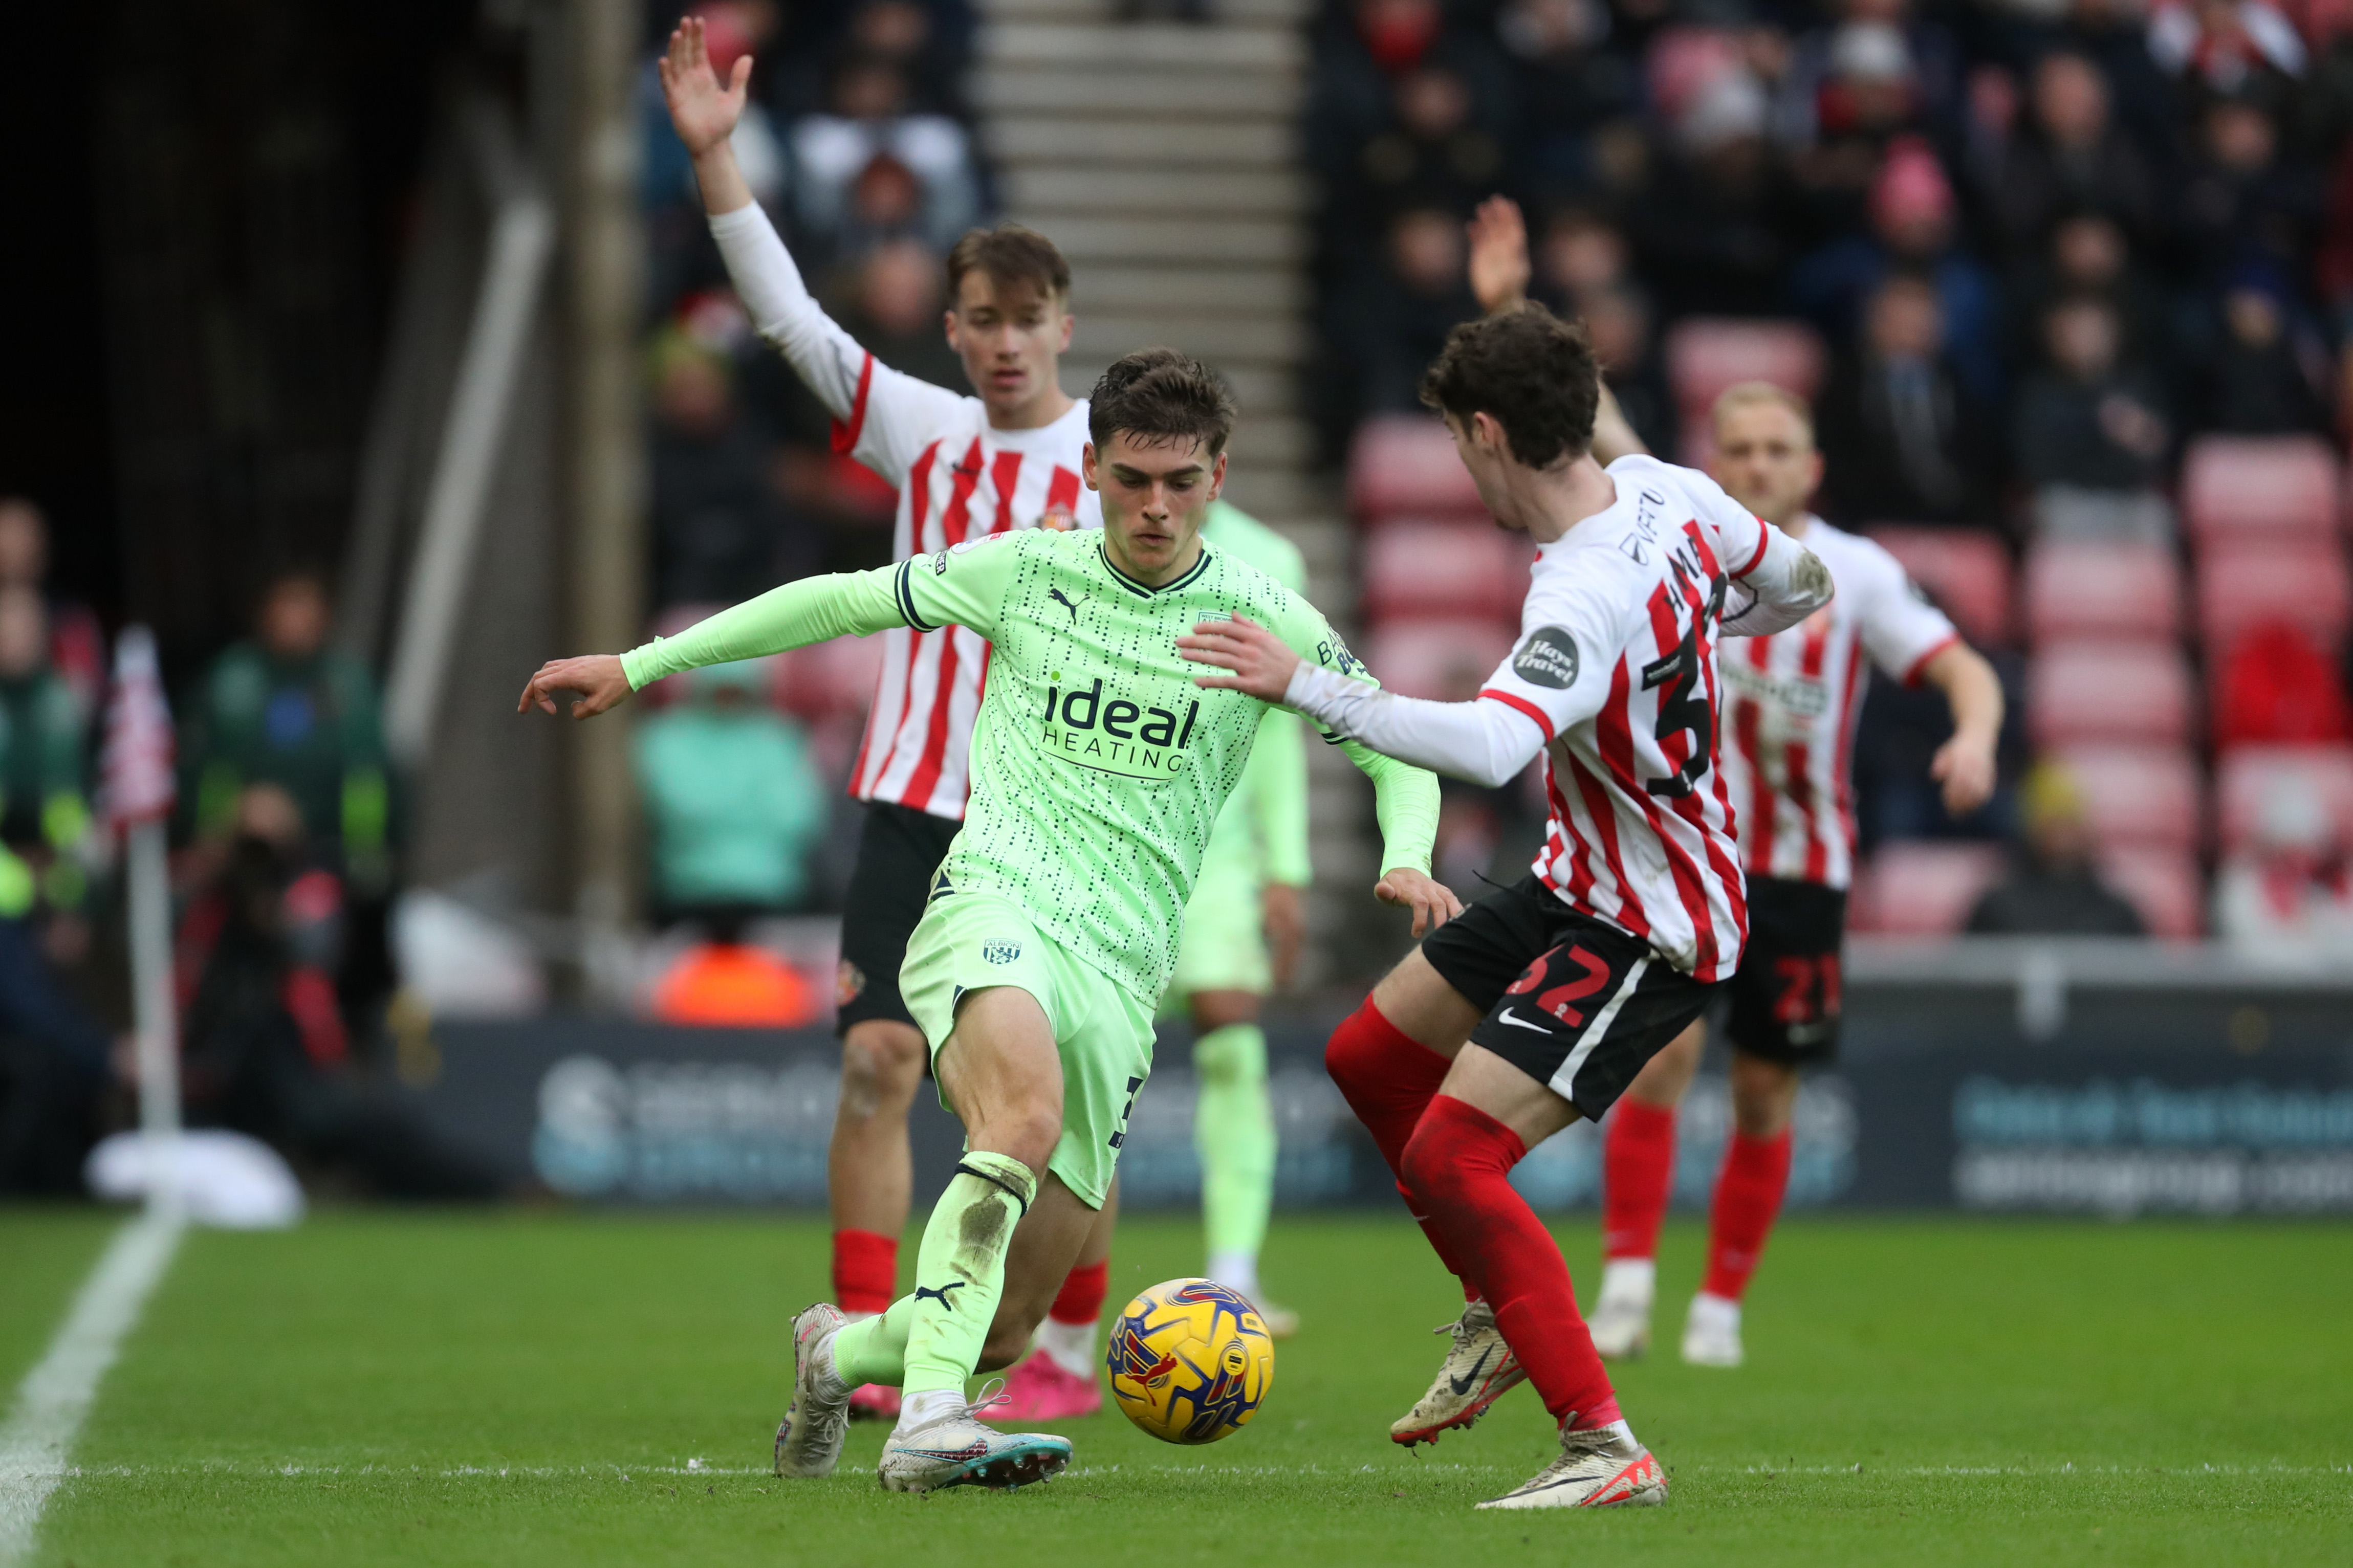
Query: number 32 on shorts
[(1560, 1001)]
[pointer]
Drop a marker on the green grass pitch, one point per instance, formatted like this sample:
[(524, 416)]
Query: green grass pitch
[(526, 1389)]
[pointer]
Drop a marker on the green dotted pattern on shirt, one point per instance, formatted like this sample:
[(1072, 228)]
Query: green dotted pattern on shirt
[(1099, 768)]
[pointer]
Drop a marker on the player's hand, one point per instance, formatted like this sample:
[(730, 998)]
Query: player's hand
[(1965, 766), (701, 109), (597, 679), (1261, 663), (1499, 254), (1432, 903), (1283, 919)]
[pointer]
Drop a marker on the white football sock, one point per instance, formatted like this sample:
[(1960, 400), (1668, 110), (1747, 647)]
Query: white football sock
[(1631, 1281), (1716, 1312), (1238, 1272), (1071, 1346), (920, 1410)]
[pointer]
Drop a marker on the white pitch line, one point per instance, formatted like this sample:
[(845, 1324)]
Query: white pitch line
[(56, 1396)]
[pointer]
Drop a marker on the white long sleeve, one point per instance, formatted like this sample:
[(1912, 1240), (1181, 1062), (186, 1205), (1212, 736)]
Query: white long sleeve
[(1787, 584), (1485, 741)]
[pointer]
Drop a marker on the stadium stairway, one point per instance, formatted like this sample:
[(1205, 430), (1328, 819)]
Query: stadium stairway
[(1161, 158)]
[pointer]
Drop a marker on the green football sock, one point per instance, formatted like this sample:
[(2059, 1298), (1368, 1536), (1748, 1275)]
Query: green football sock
[(960, 1270), (874, 1350), (1233, 1129)]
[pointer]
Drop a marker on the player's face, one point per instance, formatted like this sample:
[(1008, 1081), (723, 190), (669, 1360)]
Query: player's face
[(1766, 460), (1011, 337), (1155, 495)]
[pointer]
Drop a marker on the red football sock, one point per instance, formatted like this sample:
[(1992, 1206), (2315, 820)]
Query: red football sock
[(1638, 1169), (1389, 1079), (865, 1270), (1081, 1299), (1748, 1199), (1461, 1161)]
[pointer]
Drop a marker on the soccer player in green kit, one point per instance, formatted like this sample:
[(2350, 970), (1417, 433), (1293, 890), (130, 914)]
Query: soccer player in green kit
[(1099, 769)]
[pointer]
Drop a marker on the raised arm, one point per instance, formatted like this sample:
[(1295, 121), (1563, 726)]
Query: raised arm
[(877, 409), (1499, 271)]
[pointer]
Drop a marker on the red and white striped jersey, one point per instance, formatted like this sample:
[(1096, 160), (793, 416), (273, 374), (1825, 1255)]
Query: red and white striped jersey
[(957, 479), (1793, 700), (1617, 663)]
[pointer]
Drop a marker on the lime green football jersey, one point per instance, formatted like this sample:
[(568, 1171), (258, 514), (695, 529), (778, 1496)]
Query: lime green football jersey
[(1097, 766), (1261, 835)]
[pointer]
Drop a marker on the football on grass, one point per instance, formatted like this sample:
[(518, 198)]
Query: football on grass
[(1190, 1362)]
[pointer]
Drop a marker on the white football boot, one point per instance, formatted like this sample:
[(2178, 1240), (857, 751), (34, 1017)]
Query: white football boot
[(1479, 1369), (1603, 1468), (1621, 1316), (809, 1441), (955, 1450), (1712, 1331)]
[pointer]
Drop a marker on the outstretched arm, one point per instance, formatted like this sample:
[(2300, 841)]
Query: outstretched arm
[(877, 407), (1405, 803), (1499, 271)]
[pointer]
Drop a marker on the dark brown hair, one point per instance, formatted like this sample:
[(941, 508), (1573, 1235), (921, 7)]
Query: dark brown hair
[(1161, 394), (1012, 257), (1529, 370)]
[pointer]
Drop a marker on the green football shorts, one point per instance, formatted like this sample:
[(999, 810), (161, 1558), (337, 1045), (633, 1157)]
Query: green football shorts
[(967, 941), (1224, 947)]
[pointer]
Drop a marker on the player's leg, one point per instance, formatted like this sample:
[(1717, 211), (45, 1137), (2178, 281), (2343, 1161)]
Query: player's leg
[(1785, 1012), (1638, 1170), (1233, 1134), (869, 1170), (1061, 1378)]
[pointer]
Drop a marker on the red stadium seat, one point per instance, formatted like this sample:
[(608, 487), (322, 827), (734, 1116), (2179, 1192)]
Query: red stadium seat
[(2138, 795), (2108, 691), (1923, 889), (1432, 569), (2240, 587), (2163, 885), (1965, 570), (2247, 771), (1403, 465), (1443, 661), (2124, 591), (2270, 487), (1705, 355)]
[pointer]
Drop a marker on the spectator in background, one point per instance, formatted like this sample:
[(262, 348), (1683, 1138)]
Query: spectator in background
[(1915, 224), (1569, 82), (2114, 36), (2085, 421), (44, 751), (2053, 888), (1870, 96), (929, 44), (77, 643), (266, 1052), (2073, 156), (1715, 233), (1853, 71), (55, 1060), (1431, 153), (843, 163), (1387, 328), (1617, 323), (2264, 374), (2287, 897), (2242, 198), (2088, 253), (288, 711), (731, 796), (719, 534), (1903, 439)]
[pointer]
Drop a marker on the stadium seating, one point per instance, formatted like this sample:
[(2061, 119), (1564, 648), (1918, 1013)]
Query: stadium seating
[(2138, 795), (2078, 691), (2242, 586), (1923, 889), (2247, 771), (2266, 487), (1444, 569), (2163, 885), (1707, 354), (2277, 688), (2121, 591), (1443, 661), (1403, 465), (1965, 570)]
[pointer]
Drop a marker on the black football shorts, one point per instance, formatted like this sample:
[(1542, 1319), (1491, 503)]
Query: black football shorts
[(1785, 998), (899, 849), (1571, 1000)]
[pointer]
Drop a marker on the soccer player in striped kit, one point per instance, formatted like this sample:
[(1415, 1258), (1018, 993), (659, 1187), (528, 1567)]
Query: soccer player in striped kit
[(1541, 1001), (1791, 704), (967, 466)]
